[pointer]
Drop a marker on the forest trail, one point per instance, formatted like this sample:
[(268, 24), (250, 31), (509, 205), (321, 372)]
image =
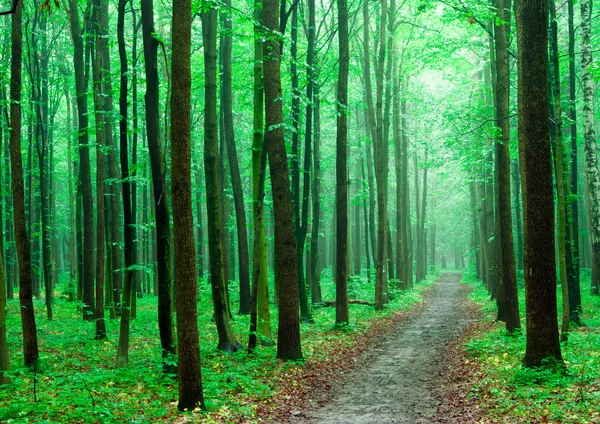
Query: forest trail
[(398, 381)]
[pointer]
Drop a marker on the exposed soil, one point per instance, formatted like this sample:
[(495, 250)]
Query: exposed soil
[(404, 378)]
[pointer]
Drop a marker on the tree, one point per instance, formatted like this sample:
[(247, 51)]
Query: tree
[(508, 301), (341, 194), (188, 349), (540, 266), (589, 133), (573, 242), (288, 342), (159, 186), (227, 342), (100, 31), (236, 180), (381, 169), (128, 200), (84, 162), (260, 317), (30, 343)]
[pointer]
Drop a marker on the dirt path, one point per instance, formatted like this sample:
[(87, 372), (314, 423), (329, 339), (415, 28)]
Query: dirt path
[(397, 382)]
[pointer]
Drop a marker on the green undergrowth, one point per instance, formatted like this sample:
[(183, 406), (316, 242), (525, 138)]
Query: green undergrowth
[(76, 379), (509, 392)]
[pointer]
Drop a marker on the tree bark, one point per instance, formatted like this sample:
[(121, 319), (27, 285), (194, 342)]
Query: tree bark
[(84, 164), (559, 168), (188, 344), (288, 343), (159, 183), (30, 344), (507, 286), (100, 116), (540, 266), (236, 180), (227, 340), (573, 269), (341, 188)]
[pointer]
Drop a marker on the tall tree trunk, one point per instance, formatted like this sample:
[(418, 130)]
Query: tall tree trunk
[(559, 168), (128, 217), (30, 344), (100, 116), (573, 270), (381, 168), (540, 266), (516, 177), (341, 188), (188, 344), (227, 340), (41, 108), (406, 225), (159, 186), (236, 180), (261, 304), (591, 158), (4, 356), (508, 299), (316, 194), (288, 343), (84, 164)]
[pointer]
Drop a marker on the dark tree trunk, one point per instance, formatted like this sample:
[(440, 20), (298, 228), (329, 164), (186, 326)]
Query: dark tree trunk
[(188, 344), (30, 344), (315, 250), (100, 116), (381, 170), (227, 340), (540, 265), (341, 187), (573, 269), (288, 343), (260, 305), (84, 164), (507, 286), (236, 180), (159, 186), (128, 216)]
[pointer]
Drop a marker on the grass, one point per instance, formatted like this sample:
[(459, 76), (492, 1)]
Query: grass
[(509, 392), (76, 380)]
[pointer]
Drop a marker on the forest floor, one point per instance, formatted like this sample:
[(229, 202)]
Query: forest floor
[(414, 374)]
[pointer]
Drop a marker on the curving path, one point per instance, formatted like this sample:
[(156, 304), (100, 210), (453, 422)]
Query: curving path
[(396, 384)]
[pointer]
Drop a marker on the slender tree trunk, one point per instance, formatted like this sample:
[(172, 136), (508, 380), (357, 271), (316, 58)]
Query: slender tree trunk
[(315, 250), (559, 168), (591, 159), (288, 343), (381, 168), (540, 265), (227, 340), (30, 344), (516, 177), (573, 270), (188, 344), (159, 186), (406, 226), (507, 286), (100, 116), (341, 192), (84, 165), (261, 303), (236, 181)]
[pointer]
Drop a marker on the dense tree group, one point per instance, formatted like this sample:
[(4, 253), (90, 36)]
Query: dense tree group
[(102, 205)]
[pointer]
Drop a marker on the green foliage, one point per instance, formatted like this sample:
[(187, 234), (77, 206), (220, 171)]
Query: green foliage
[(76, 379), (509, 392)]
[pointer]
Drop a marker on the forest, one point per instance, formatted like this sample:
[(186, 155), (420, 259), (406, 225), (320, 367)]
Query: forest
[(299, 211)]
